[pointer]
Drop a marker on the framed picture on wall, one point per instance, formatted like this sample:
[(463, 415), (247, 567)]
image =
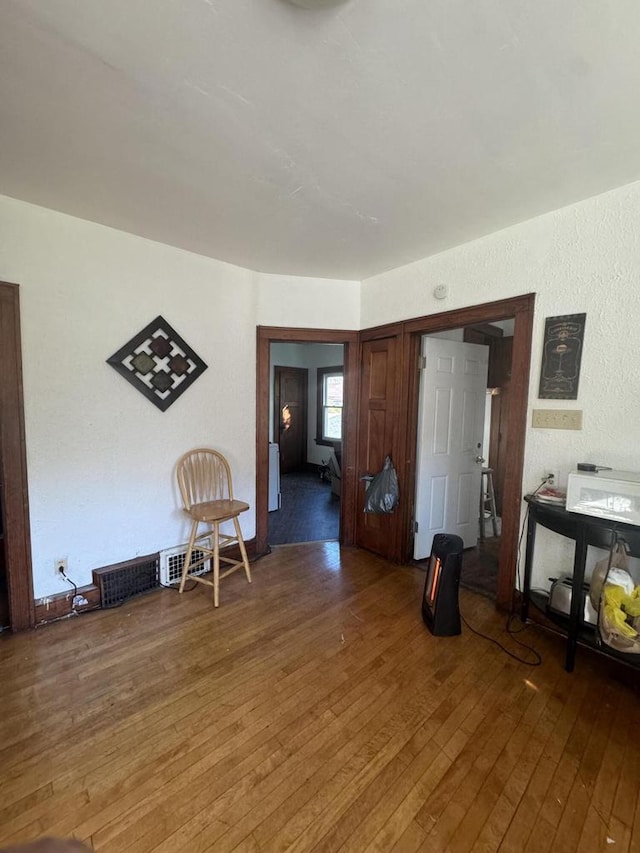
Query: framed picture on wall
[(561, 356)]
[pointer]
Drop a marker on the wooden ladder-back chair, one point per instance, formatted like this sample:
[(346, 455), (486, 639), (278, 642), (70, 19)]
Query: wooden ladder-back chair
[(204, 478)]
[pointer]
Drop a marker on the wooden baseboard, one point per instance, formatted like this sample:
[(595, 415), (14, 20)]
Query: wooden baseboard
[(58, 606), (233, 551)]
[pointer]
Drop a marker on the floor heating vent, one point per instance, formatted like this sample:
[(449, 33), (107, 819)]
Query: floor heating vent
[(172, 563), (121, 581)]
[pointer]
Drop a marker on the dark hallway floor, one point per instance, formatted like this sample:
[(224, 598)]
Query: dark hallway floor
[(479, 567), (309, 512)]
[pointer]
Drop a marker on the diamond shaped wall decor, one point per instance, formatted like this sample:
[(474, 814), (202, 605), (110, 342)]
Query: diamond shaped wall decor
[(159, 363)]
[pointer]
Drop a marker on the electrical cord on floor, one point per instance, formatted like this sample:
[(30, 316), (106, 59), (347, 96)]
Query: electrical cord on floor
[(535, 662), (537, 658)]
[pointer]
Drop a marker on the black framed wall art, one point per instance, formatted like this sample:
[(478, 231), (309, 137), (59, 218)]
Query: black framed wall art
[(159, 363), (561, 357)]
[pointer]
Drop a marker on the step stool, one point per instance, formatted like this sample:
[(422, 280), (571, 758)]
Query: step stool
[(487, 502)]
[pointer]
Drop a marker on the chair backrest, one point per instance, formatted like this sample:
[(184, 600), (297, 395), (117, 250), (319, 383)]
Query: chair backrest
[(203, 475)]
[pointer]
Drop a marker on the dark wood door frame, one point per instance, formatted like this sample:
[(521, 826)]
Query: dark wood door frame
[(13, 464), (521, 309), (349, 339)]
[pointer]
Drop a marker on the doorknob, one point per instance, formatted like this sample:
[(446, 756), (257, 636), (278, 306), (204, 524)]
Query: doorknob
[(480, 460)]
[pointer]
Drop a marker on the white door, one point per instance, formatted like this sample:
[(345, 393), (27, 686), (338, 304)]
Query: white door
[(453, 386)]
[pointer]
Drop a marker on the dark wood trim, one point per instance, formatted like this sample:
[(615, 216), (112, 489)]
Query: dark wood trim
[(59, 606), (388, 330), (351, 366), (321, 372), (233, 551), (521, 308), (517, 429), (411, 354), (13, 464), (503, 309), (262, 441), (349, 339), (402, 453), (290, 335), (410, 331)]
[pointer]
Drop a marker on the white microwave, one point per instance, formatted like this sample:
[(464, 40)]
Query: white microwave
[(614, 495)]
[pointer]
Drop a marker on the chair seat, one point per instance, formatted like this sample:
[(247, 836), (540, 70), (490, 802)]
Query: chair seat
[(217, 510)]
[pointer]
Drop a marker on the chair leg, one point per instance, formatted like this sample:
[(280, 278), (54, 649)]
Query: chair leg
[(187, 558), (216, 563), (243, 550)]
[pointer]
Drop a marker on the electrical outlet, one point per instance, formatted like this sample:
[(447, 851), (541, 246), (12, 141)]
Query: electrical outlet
[(557, 418), (61, 566)]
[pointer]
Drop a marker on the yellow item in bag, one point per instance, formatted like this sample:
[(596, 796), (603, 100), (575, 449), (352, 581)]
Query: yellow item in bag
[(614, 614), (631, 604)]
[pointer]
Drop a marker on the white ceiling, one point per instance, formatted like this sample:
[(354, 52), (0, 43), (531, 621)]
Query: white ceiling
[(337, 142)]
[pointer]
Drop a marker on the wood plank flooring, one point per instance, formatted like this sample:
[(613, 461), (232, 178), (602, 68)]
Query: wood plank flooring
[(311, 711)]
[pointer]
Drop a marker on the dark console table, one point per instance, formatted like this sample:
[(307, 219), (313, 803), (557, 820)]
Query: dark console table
[(585, 530)]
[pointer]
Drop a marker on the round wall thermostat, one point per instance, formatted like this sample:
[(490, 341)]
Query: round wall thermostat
[(440, 292)]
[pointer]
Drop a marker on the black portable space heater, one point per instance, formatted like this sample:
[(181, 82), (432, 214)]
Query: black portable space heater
[(440, 610)]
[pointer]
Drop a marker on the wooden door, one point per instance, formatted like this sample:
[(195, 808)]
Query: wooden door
[(290, 412), (376, 434)]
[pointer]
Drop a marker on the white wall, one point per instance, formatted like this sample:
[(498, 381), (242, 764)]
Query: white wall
[(311, 357), (100, 456), (583, 258), (307, 303)]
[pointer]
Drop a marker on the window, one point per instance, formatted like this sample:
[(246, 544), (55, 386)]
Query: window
[(330, 401)]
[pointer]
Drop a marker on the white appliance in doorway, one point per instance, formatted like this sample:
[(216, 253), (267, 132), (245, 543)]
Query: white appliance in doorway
[(274, 477), (453, 386)]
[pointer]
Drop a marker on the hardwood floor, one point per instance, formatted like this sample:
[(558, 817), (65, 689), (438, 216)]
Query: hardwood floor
[(311, 711)]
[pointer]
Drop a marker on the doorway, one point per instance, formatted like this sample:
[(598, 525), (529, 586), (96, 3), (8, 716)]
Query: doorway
[(461, 445), (407, 334), (315, 500), (307, 404), (520, 309)]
